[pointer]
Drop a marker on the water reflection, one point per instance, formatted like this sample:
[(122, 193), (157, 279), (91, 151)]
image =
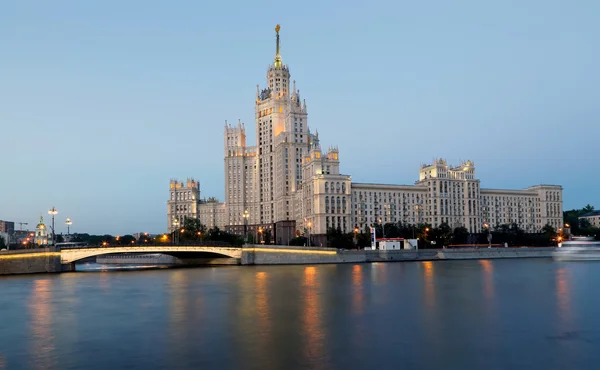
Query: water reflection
[(178, 307), (262, 305), (312, 328), (488, 278), (563, 297), (42, 337), (104, 281), (428, 283), (290, 317), (358, 295)]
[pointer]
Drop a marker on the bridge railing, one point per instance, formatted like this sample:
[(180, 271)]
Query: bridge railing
[(149, 244)]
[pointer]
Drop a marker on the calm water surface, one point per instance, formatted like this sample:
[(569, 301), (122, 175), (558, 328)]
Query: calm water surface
[(519, 314)]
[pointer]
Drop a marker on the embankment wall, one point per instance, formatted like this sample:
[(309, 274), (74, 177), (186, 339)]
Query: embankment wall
[(29, 261), (282, 255)]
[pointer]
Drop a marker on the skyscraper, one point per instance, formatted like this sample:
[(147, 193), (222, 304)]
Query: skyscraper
[(286, 184)]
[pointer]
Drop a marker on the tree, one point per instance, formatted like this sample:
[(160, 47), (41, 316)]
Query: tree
[(571, 218), (460, 235), (2, 243), (193, 229), (549, 232), (337, 239), (126, 239), (438, 236), (392, 230)]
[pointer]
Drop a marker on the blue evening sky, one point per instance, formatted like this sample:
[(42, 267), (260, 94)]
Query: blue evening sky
[(102, 102)]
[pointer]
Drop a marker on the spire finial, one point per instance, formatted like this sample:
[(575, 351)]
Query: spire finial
[(277, 56)]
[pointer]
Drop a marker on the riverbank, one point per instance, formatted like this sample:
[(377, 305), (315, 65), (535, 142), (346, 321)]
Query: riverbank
[(49, 261), (30, 261), (281, 255)]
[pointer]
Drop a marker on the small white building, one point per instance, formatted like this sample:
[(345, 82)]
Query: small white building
[(397, 244)]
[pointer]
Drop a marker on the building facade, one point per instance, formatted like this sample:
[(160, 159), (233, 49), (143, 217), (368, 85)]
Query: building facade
[(185, 202), (592, 217), (7, 227), (452, 195), (41, 233), (288, 185)]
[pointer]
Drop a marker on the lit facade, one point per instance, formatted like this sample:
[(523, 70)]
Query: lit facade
[(185, 202), (41, 233), (452, 195), (287, 185)]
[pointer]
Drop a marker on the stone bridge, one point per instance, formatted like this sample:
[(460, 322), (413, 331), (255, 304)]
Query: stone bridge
[(71, 255)]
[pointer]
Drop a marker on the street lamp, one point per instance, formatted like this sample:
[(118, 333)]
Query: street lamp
[(246, 215), (68, 222), (355, 235), (309, 227), (489, 234), (382, 228), (53, 212), (175, 227), (260, 231)]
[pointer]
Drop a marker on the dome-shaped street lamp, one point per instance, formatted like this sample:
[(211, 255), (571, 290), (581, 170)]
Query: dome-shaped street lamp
[(68, 222)]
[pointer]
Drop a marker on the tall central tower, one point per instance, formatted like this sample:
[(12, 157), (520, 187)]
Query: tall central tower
[(282, 137)]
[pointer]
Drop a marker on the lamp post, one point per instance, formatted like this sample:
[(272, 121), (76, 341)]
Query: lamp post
[(175, 227), (53, 212), (489, 234), (246, 215), (260, 231), (382, 227), (68, 222), (356, 235), (309, 227)]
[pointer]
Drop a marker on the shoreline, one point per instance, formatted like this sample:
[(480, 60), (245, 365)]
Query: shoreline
[(49, 261)]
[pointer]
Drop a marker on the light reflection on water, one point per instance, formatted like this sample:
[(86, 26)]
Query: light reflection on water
[(355, 316), (312, 327), (42, 336), (563, 296)]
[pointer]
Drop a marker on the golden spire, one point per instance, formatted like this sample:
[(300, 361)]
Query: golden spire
[(277, 56)]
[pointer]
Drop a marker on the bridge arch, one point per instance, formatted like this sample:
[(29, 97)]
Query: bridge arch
[(75, 254)]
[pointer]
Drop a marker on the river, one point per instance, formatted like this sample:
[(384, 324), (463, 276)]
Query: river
[(501, 314)]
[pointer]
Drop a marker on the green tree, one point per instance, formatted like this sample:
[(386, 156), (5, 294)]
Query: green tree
[(337, 239), (571, 218), (193, 229), (460, 235), (126, 240), (438, 236), (2, 243)]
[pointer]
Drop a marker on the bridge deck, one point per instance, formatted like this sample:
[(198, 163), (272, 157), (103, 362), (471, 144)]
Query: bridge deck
[(74, 254)]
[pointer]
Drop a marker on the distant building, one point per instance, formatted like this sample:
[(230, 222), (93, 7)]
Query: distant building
[(41, 233), (287, 185), (185, 202), (452, 195), (7, 227), (592, 217)]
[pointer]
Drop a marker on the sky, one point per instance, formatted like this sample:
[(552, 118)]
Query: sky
[(102, 102)]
